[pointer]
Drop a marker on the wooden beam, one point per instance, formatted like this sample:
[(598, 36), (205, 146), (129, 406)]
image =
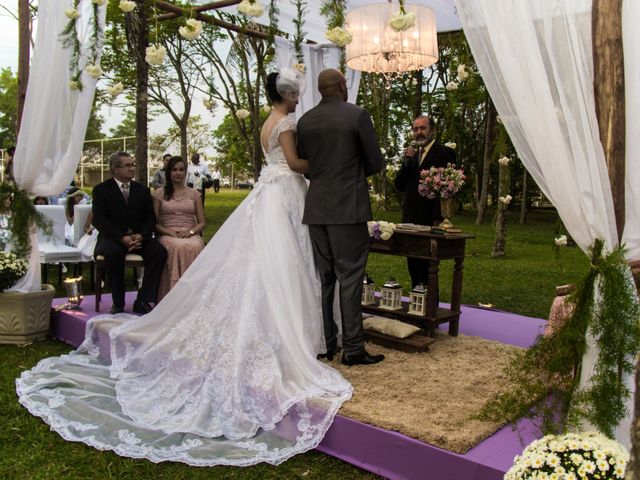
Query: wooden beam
[(608, 86), (24, 48), (202, 8), (169, 7)]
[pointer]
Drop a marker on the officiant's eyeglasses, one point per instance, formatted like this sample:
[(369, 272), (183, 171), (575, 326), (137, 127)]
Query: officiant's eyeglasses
[(126, 165)]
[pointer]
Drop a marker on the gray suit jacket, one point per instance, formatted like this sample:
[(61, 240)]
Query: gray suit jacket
[(338, 140)]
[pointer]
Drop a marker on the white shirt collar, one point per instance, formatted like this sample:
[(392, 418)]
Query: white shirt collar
[(121, 183)]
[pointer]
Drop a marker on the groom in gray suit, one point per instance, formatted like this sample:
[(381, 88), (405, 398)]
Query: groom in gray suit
[(338, 140)]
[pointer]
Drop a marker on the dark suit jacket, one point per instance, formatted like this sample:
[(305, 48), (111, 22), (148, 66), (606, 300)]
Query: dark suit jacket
[(338, 140), (113, 217), (416, 208)]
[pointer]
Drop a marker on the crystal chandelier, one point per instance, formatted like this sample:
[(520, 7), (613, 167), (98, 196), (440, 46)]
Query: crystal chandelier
[(376, 47)]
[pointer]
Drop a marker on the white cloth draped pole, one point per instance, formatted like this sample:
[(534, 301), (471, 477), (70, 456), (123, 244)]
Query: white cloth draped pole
[(536, 60), (54, 119), (315, 58), (631, 39)]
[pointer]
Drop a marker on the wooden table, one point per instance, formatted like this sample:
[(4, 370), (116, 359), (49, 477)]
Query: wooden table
[(433, 248)]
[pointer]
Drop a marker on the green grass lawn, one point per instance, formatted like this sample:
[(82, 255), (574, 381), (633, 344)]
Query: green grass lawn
[(522, 282)]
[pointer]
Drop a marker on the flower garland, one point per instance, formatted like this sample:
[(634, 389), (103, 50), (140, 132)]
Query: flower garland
[(69, 39), (23, 215), (545, 377)]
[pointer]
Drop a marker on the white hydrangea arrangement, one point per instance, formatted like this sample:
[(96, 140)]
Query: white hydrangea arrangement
[(381, 230), (340, 36), (573, 456), (154, 55), (115, 89), (191, 29), (126, 5), (242, 114), (251, 8), (12, 268)]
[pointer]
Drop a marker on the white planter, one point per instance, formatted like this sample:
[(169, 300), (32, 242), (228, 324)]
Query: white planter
[(24, 317)]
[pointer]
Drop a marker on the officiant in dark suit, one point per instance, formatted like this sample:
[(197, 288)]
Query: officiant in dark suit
[(338, 140), (123, 215), (424, 153)]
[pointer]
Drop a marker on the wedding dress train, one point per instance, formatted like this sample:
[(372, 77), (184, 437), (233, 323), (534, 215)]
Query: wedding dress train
[(223, 371)]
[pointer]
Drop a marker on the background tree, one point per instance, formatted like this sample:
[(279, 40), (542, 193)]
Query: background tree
[(8, 107)]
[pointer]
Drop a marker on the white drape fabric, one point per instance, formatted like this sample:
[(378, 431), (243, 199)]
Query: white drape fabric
[(631, 39), (315, 58), (54, 120), (536, 60)]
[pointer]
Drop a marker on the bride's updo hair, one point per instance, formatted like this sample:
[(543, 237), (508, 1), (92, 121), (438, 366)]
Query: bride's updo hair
[(286, 84), (272, 90)]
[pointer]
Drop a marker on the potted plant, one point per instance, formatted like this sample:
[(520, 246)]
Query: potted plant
[(24, 316)]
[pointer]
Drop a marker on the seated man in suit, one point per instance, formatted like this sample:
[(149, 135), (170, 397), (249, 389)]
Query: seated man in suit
[(123, 215), (425, 152)]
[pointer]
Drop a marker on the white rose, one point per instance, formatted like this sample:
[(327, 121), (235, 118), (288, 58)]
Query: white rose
[(499, 119), (462, 68), (301, 67), (209, 103), (71, 13), (93, 70), (402, 21), (115, 89), (100, 2), (155, 54), (339, 36), (385, 235), (192, 29), (266, 108), (126, 5), (242, 114), (452, 86), (251, 9), (75, 85), (462, 76), (561, 241), (506, 199), (451, 145), (504, 161)]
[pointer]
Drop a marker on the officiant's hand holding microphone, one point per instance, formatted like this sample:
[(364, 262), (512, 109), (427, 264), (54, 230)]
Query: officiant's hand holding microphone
[(410, 151)]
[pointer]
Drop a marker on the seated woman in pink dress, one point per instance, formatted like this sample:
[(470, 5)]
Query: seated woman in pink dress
[(179, 222)]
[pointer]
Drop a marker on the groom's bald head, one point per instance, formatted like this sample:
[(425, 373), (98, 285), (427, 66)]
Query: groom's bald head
[(331, 83)]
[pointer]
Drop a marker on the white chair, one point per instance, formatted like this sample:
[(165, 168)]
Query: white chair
[(53, 249), (80, 214)]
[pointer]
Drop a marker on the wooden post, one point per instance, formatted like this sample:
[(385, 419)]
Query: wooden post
[(24, 48), (608, 86)]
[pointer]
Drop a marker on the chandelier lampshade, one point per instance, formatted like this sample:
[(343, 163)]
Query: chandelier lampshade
[(376, 47)]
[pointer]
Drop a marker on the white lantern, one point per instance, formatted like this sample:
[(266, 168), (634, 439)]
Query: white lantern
[(418, 300), (391, 295), (377, 47), (368, 291)]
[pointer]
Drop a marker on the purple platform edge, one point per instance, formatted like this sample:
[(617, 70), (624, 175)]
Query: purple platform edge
[(388, 453)]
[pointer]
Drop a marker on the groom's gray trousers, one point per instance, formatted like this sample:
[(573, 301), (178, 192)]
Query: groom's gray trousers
[(341, 252)]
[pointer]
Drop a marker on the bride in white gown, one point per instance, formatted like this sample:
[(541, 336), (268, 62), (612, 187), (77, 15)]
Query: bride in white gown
[(223, 371)]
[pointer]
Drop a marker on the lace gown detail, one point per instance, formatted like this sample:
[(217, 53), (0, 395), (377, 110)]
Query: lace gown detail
[(224, 369)]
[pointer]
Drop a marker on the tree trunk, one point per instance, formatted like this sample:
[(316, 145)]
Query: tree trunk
[(633, 467), (501, 215), (138, 41), (524, 205), (417, 101), (184, 152), (608, 85), (24, 47), (489, 141)]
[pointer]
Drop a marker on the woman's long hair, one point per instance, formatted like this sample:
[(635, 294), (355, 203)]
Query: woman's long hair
[(168, 184), (72, 199)]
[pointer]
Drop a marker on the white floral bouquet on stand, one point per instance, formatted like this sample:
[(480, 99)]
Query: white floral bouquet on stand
[(381, 230), (12, 269), (572, 456)]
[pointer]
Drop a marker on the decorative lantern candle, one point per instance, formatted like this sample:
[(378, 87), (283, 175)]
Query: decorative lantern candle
[(391, 295), (418, 300), (73, 287), (368, 291)]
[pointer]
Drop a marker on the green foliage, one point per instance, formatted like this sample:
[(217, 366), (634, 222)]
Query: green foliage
[(8, 107), (23, 217), (231, 145), (545, 377)]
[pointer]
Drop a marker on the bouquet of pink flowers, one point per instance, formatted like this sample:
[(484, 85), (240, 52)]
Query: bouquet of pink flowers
[(445, 181)]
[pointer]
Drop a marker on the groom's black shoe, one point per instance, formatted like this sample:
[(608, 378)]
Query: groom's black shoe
[(141, 307), (328, 356), (362, 359)]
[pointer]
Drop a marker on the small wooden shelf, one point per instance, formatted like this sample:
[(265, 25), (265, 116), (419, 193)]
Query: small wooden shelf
[(413, 344), (443, 315)]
